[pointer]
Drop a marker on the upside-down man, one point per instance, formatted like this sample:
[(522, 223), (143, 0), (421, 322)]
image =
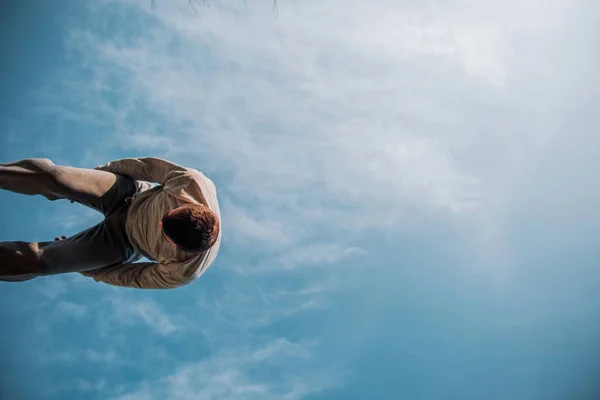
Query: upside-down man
[(175, 224)]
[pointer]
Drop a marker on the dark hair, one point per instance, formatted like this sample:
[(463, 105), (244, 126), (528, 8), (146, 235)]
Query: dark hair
[(194, 228)]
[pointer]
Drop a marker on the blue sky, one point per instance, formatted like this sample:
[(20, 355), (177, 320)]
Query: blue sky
[(408, 192)]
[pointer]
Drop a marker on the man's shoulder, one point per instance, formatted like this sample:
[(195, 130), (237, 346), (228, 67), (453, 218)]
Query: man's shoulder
[(201, 178)]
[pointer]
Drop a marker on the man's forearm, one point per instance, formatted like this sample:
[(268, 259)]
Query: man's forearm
[(150, 169), (144, 275)]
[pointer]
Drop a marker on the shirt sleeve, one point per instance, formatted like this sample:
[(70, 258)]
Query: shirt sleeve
[(144, 275), (149, 169)]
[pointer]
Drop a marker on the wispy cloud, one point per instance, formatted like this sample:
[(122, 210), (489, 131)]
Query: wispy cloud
[(323, 254), (88, 356), (71, 309), (68, 219), (52, 287), (86, 386), (235, 119), (251, 229), (232, 374), (127, 311), (325, 126), (246, 308)]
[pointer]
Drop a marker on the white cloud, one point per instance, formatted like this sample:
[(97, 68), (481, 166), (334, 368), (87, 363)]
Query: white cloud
[(369, 123), (328, 141), (16, 133), (245, 227), (52, 287), (323, 254), (78, 386), (71, 309), (232, 375), (128, 311), (70, 218), (87, 386), (254, 305), (109, 356), (73, 355)]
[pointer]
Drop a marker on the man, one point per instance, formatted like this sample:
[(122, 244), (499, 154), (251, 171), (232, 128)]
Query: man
[(176, 223)]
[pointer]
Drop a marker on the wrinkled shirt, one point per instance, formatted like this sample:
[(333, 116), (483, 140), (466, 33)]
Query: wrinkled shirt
[(177, 186)]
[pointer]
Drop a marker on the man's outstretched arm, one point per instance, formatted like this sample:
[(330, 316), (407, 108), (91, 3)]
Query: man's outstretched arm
[(150, 169), (144, 275)]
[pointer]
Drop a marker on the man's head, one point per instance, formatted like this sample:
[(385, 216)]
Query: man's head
[(193, 228)]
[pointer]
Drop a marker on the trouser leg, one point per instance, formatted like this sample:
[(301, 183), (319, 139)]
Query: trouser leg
[(100, 190), (103, 245)]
